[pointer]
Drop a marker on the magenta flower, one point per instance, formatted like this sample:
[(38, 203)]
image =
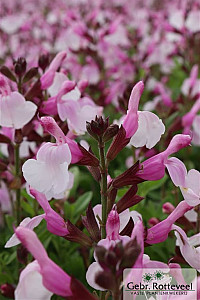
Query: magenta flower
[(191, 85), (48, 269), (160, 231), (154, 167), (48, 77), (112, 237), (54, 279), (130, 122), (143, 127), (55, 223), (188, 119), (15, 110)]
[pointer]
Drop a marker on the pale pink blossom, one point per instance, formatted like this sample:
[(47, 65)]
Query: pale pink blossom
[(48, 173), (150, 129), (189, 182), (29, 223), (15, 110), (54, 279), (187, 247), (30, 284), (192, 22), (154, 167)]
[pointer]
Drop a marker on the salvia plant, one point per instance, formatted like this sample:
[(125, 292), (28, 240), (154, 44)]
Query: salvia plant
[(99, 145)]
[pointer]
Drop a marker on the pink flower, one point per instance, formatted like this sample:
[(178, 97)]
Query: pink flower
[(187, 119), (48, 77), (191, 85), (130, 122), (150, 129), (48, 173), (196, 131), (154, 167), (54, 279), (160, 231), (189, 183), (112, 237), (30, 284), (15, 110), (143, 127), (29, 223), (55, 223), (187, 247), (77, 113), (123, 216), (70, 107)]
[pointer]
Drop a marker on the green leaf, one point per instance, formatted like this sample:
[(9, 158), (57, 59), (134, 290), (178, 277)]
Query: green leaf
[(81, 204), (10, 258), (147, 186), (10, 220), (28, 208), (68, 210)]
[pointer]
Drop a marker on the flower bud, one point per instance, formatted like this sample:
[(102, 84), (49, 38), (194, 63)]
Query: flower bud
[(153, 221), (20, 66), (167, 208), (97, 128), (105, 280), (43, 61), (7, 290)]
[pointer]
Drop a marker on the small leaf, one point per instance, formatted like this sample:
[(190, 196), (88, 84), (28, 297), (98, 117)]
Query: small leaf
[(82, 203), (147, 186), (10, 221), (28, 208)]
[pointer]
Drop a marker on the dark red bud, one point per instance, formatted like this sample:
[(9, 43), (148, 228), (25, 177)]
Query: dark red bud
[(20, 66), (43, 61), (105, 280), (18, 136), (22, 254), (7, 290)]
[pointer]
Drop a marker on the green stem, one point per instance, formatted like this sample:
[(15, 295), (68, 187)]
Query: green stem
[(103, 188), (17, 176), (102, 295)]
